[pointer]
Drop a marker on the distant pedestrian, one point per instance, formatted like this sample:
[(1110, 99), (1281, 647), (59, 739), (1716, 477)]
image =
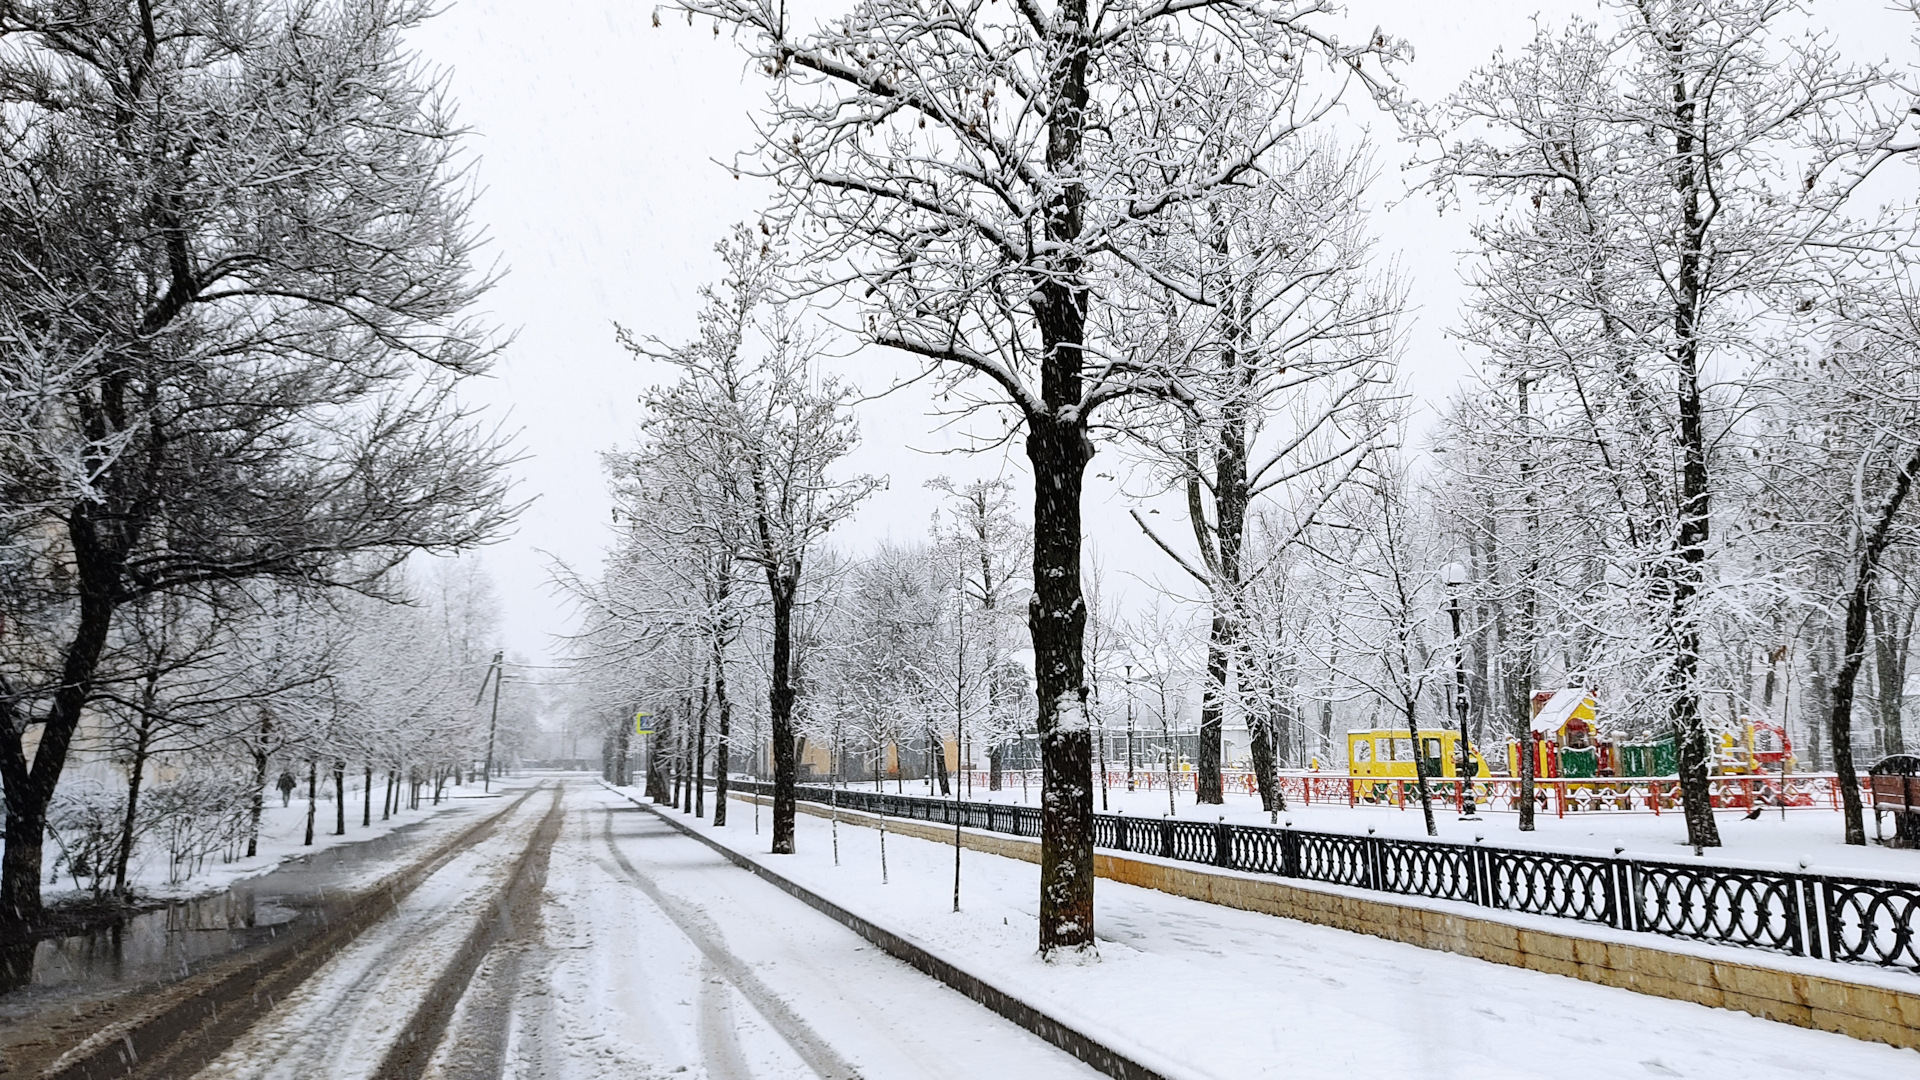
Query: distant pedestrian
[(285, 784)]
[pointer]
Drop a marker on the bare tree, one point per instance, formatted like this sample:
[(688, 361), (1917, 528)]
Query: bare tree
[(1285, 334), (1672, 179), (227, 352), (980, 173), (768, 429)]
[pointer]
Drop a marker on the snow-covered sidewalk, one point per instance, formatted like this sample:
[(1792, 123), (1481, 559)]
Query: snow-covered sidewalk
[(1227, 993)]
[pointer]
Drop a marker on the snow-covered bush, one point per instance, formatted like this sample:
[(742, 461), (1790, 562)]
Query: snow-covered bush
[(84, 824), (195, 816)]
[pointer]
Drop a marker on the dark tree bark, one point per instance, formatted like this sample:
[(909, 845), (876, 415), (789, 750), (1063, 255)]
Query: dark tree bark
[(259, 784), (366, 796), (340, 798), (1892, 648), (698, 772), (722, 759), (782, 583), (1221, 544), (937, 760), (1266, 763), (136, 769), (1057, 619), (1854, 649), (1683, 580), (658, 765), (313, 799), (29, 789), (1208, 788), (1525, 652), (1420, 769)]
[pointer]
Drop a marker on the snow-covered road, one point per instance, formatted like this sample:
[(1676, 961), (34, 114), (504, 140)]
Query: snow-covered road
[(655, 957), (644, 955)]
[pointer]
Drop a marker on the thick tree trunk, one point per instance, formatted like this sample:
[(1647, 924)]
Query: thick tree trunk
[(1854, 650), (657, 789), (937, 759), (366, 796), (1695, 490), (1526, 650), (782, 584), (996, 767), (1326, 730), (30, 788), (340, 798), (1892, 645), (1208, 788), (1058, 449), (1840, 718), (1266, 762), (623, 754), (1057, 618), (1420, 770)]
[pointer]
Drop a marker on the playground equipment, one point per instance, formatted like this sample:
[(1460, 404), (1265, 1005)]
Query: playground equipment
[(1565, 738), (1390, 755), (1569, 744)]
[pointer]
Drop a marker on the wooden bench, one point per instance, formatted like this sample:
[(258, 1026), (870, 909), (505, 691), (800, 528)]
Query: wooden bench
[(1894, 786)]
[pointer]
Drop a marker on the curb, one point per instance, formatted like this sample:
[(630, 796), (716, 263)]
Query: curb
[(1032, 1018)]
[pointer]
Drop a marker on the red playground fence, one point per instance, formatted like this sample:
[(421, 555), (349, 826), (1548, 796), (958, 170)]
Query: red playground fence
[(1611, 794)]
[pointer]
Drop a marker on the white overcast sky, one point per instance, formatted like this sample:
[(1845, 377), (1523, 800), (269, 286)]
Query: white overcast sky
[(595, 137)]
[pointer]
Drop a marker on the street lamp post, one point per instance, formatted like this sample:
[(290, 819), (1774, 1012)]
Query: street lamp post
[(1129, 669), (1454, 575)]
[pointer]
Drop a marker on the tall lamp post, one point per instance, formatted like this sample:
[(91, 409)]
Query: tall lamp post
[(1129, 669), (1453, 576)]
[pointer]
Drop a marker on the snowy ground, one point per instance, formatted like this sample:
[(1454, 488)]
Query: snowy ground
[(282, 836), (1772, 841), (649, 957), (1226, 993)]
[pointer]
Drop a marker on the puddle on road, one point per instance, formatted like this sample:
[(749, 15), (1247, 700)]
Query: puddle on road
[(172, 942)]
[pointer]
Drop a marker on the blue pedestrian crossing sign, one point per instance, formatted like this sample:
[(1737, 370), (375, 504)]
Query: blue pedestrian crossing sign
[(640, 723)]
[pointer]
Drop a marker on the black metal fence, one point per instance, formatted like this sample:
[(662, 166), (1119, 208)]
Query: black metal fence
[(1817, 915)]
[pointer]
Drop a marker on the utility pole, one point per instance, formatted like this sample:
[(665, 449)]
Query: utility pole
[(494, 673)]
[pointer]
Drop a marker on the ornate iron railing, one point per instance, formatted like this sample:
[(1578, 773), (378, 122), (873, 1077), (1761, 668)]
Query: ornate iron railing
[(1800, 914)]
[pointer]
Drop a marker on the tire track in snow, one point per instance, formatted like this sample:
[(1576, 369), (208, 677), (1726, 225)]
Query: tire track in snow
[(340, 1021), (718, 1046), (518, 906), (697, 928)]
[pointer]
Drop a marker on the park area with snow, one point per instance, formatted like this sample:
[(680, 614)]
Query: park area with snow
[(1809, 838)]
